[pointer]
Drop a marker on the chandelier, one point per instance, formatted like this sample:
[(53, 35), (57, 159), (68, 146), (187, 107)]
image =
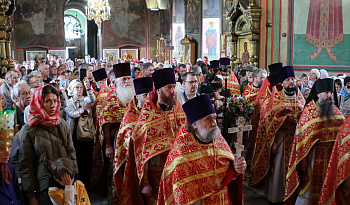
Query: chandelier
[(98, 10)]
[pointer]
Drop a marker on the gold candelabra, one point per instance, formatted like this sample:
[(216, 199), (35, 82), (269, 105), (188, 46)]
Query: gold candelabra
[(99, 10)]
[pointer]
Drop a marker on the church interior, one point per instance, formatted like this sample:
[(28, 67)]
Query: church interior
[(250, 33), (256, 32)]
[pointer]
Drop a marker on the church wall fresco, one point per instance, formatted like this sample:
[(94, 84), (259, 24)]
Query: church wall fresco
[(127, 24), (193, 16), (321, 42), (39, 23)]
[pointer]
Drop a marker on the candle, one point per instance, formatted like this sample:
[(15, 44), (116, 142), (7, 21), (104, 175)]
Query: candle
[(86, 10)]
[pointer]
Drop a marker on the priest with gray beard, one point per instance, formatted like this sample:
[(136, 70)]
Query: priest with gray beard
[(201, 168), (110, 117)]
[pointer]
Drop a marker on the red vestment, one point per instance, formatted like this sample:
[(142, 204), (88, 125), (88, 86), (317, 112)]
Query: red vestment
[(191, 169), (112, 111), (250, 93), (232, 84), (338, 170), (154, 135), (312, 132), (122, 143), (280, 113)]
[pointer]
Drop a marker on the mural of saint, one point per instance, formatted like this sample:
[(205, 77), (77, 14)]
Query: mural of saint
[(245, 56), (211, 39), (325, 26), (178, 36)]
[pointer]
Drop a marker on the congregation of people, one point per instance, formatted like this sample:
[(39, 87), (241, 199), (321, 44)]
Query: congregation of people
[(148, 132)]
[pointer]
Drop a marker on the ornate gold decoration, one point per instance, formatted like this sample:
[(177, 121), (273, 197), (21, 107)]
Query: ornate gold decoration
[(98, 10), (244, 17)]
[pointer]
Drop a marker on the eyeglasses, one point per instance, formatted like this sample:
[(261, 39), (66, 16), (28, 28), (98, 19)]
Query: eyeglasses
[(191, 82)]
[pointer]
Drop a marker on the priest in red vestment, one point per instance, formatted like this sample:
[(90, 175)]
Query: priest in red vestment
[(263, 95), (336, 186), (316, 132), (201, 168), (111, 114), (252, 89), (121, 146), (275, 136), (159, 121)]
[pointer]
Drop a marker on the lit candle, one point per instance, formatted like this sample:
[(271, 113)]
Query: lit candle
[(108, 9)]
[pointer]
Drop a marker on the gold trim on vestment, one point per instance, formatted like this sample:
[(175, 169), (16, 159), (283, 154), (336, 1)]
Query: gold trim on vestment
[(319, 119), (191, 156), (343, 158), (317, 132)]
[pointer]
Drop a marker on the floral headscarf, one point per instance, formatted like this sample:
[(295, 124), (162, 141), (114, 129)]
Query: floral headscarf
[(37, 114)]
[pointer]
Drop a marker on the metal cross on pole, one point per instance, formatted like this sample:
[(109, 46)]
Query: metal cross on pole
[(239, 130)]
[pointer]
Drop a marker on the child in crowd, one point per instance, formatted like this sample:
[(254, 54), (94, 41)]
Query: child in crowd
[(10, 192), (70, 192)]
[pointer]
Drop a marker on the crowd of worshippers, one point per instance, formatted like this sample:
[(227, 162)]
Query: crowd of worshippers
[(147, 133)]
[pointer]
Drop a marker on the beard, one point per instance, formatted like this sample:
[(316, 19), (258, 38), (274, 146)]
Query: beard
[(326, 108), (210, 134), (291, 88), (167, 100), (125, 93)]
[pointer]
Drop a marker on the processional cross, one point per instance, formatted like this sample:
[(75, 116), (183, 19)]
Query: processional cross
[(240, 129)]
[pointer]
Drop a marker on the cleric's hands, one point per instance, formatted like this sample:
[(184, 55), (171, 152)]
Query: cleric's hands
[(109, 152), (240, 165), (146, 189)]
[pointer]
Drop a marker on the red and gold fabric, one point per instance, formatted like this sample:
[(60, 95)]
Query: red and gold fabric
[(279, 110), (112, 111), (202, 79), (200, 172), (154, 135), (250, 93), (101, 96), (122, 142), (140, 75), (338, 170), (232, 84), (263, 94), (312, 130)]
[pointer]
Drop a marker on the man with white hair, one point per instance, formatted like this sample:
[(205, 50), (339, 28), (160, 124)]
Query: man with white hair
[(109, 119), (201, 168), (11, 79), (22, 98), (45, 72)]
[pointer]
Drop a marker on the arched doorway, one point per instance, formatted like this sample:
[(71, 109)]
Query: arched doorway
[(75, 26)]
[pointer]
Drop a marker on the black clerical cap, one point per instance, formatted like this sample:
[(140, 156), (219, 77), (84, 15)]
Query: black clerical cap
[(198, 108), (275, 67), (322, 85), (121, 70), (285, 72), (100, 74), (273, 79), (224, 61), (143, 85), (163, 77), (214, 63)]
